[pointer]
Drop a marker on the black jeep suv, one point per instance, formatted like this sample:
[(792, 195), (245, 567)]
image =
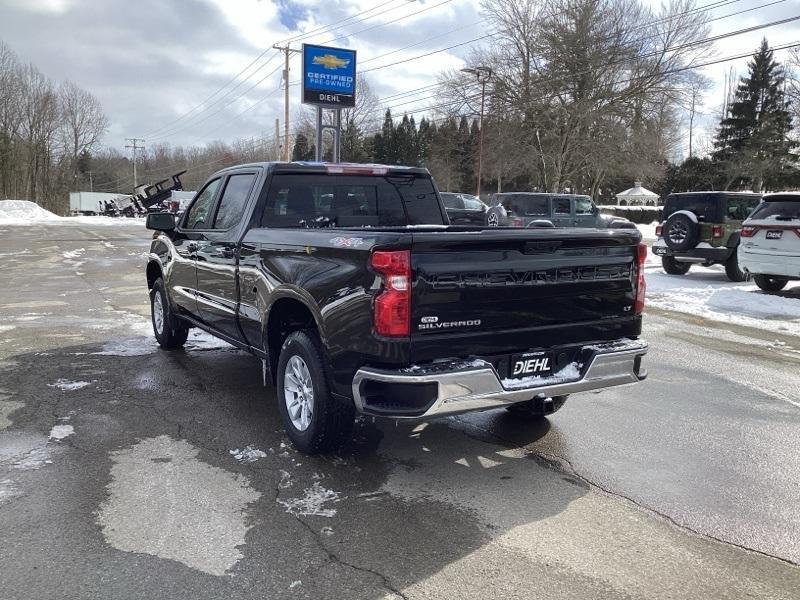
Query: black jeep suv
[(703, 228)]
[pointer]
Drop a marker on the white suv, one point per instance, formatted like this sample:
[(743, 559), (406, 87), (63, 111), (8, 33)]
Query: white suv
[(770, 244)]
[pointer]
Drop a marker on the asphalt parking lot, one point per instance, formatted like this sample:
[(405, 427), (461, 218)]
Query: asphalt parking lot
[(129, 472)]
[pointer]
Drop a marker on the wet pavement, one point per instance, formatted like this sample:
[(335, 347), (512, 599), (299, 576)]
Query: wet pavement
[(129, 472)]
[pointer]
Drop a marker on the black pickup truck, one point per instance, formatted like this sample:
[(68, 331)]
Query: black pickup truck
[(358, 297)]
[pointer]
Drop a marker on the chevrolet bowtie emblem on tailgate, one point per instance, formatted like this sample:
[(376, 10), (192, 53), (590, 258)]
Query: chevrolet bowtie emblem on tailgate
[(329, 61)]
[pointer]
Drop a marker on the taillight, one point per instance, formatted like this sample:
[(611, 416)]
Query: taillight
[(716, 231), (641, 258), (748, 231), (659, 229), (797, 231), (392, 308)]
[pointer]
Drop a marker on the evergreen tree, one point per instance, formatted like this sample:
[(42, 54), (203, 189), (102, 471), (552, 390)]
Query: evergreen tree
[(752, 143), (465, 156), (302, 150), (405, 142), (389, 146), (427, 132), (352, 144)]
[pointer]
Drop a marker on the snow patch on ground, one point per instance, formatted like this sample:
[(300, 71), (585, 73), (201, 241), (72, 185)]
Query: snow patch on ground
[(7, 489), (68, 386), (248, 454), (200, 340), (74, 253), (312, 503), (59, 432), (706, 292), (648, 231)]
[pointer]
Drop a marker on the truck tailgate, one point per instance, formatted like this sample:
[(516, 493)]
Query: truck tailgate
[(505, 290)]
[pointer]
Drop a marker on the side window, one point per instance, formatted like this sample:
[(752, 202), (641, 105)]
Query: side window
[(535, 206), (198, 214), (234, 198), (471, 204), (561, 206), (450, 200), (583, 206)]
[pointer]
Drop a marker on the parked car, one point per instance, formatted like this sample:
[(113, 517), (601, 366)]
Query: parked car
[(349, 285), (770, 246), (703, 228), (521, 209), (464, 209)]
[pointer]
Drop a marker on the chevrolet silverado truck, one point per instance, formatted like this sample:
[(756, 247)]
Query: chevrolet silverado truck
[(358, 297)]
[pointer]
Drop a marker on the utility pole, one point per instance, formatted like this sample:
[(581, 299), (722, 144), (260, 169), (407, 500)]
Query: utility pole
[(483, 75), (287, 51), (91, 187), (277, 139), (134, 144)]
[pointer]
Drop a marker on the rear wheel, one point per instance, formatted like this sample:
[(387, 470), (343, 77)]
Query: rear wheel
[(732, 269), (313, 420), (170, 330), (769, 283), (538, 408), (674, 267)]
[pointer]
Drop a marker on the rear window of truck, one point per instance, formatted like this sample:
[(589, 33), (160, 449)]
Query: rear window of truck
[(317, 200)]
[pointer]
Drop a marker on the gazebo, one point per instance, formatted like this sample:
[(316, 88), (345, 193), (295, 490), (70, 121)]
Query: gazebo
[(637, 196)]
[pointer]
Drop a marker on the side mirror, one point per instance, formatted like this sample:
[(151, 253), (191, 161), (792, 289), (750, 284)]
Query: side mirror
[(160, 221)]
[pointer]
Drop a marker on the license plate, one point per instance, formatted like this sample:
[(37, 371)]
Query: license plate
[(531, 364), (774, 234), (659, 251)]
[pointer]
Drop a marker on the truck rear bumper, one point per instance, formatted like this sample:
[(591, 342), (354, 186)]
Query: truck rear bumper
[(458, 386)]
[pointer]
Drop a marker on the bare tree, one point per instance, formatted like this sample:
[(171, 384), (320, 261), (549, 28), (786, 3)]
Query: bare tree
[(83, 124)]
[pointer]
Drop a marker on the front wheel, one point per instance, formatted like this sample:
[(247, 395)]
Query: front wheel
[(732, 269), (313, 420), (769, 283), (170, 330), (674, 267), (538, 408)]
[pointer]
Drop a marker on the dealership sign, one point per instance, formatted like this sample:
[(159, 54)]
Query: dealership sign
[(329, 76)]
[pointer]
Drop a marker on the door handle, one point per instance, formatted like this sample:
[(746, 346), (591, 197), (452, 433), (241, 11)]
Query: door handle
[(225, 253)]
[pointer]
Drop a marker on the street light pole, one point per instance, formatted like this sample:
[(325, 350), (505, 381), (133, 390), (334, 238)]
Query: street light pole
[(483, 74)]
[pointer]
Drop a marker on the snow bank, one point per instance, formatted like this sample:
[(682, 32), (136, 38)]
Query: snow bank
[(24, 211), (648, 231), (707, 292)]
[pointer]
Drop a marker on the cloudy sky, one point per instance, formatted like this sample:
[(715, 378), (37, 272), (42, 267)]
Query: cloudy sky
[(153, 62)]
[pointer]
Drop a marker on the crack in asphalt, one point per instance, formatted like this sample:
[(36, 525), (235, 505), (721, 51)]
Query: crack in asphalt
[(557, 462), (335, 558)]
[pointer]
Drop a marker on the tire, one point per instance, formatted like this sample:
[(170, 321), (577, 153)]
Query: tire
[(732, 269), (316, 422), (170, 330), (770, 284), (538, 408), (496, 216), (674, 267), (680, 232)]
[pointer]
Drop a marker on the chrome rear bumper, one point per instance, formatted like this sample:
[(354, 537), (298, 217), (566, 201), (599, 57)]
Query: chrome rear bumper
[(470, 385)]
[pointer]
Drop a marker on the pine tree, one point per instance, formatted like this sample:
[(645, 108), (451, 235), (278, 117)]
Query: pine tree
[(752, 143), (389, 145), (352, 144), (301, 150)]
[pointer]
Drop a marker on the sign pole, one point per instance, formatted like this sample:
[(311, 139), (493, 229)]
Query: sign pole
[(337, 137), (318, 141)]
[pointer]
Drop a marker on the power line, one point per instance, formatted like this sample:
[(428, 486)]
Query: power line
[(256, 59)]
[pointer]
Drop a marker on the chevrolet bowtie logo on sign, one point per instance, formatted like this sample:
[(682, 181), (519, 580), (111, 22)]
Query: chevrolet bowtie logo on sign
[(329, 61), (329, 76)]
